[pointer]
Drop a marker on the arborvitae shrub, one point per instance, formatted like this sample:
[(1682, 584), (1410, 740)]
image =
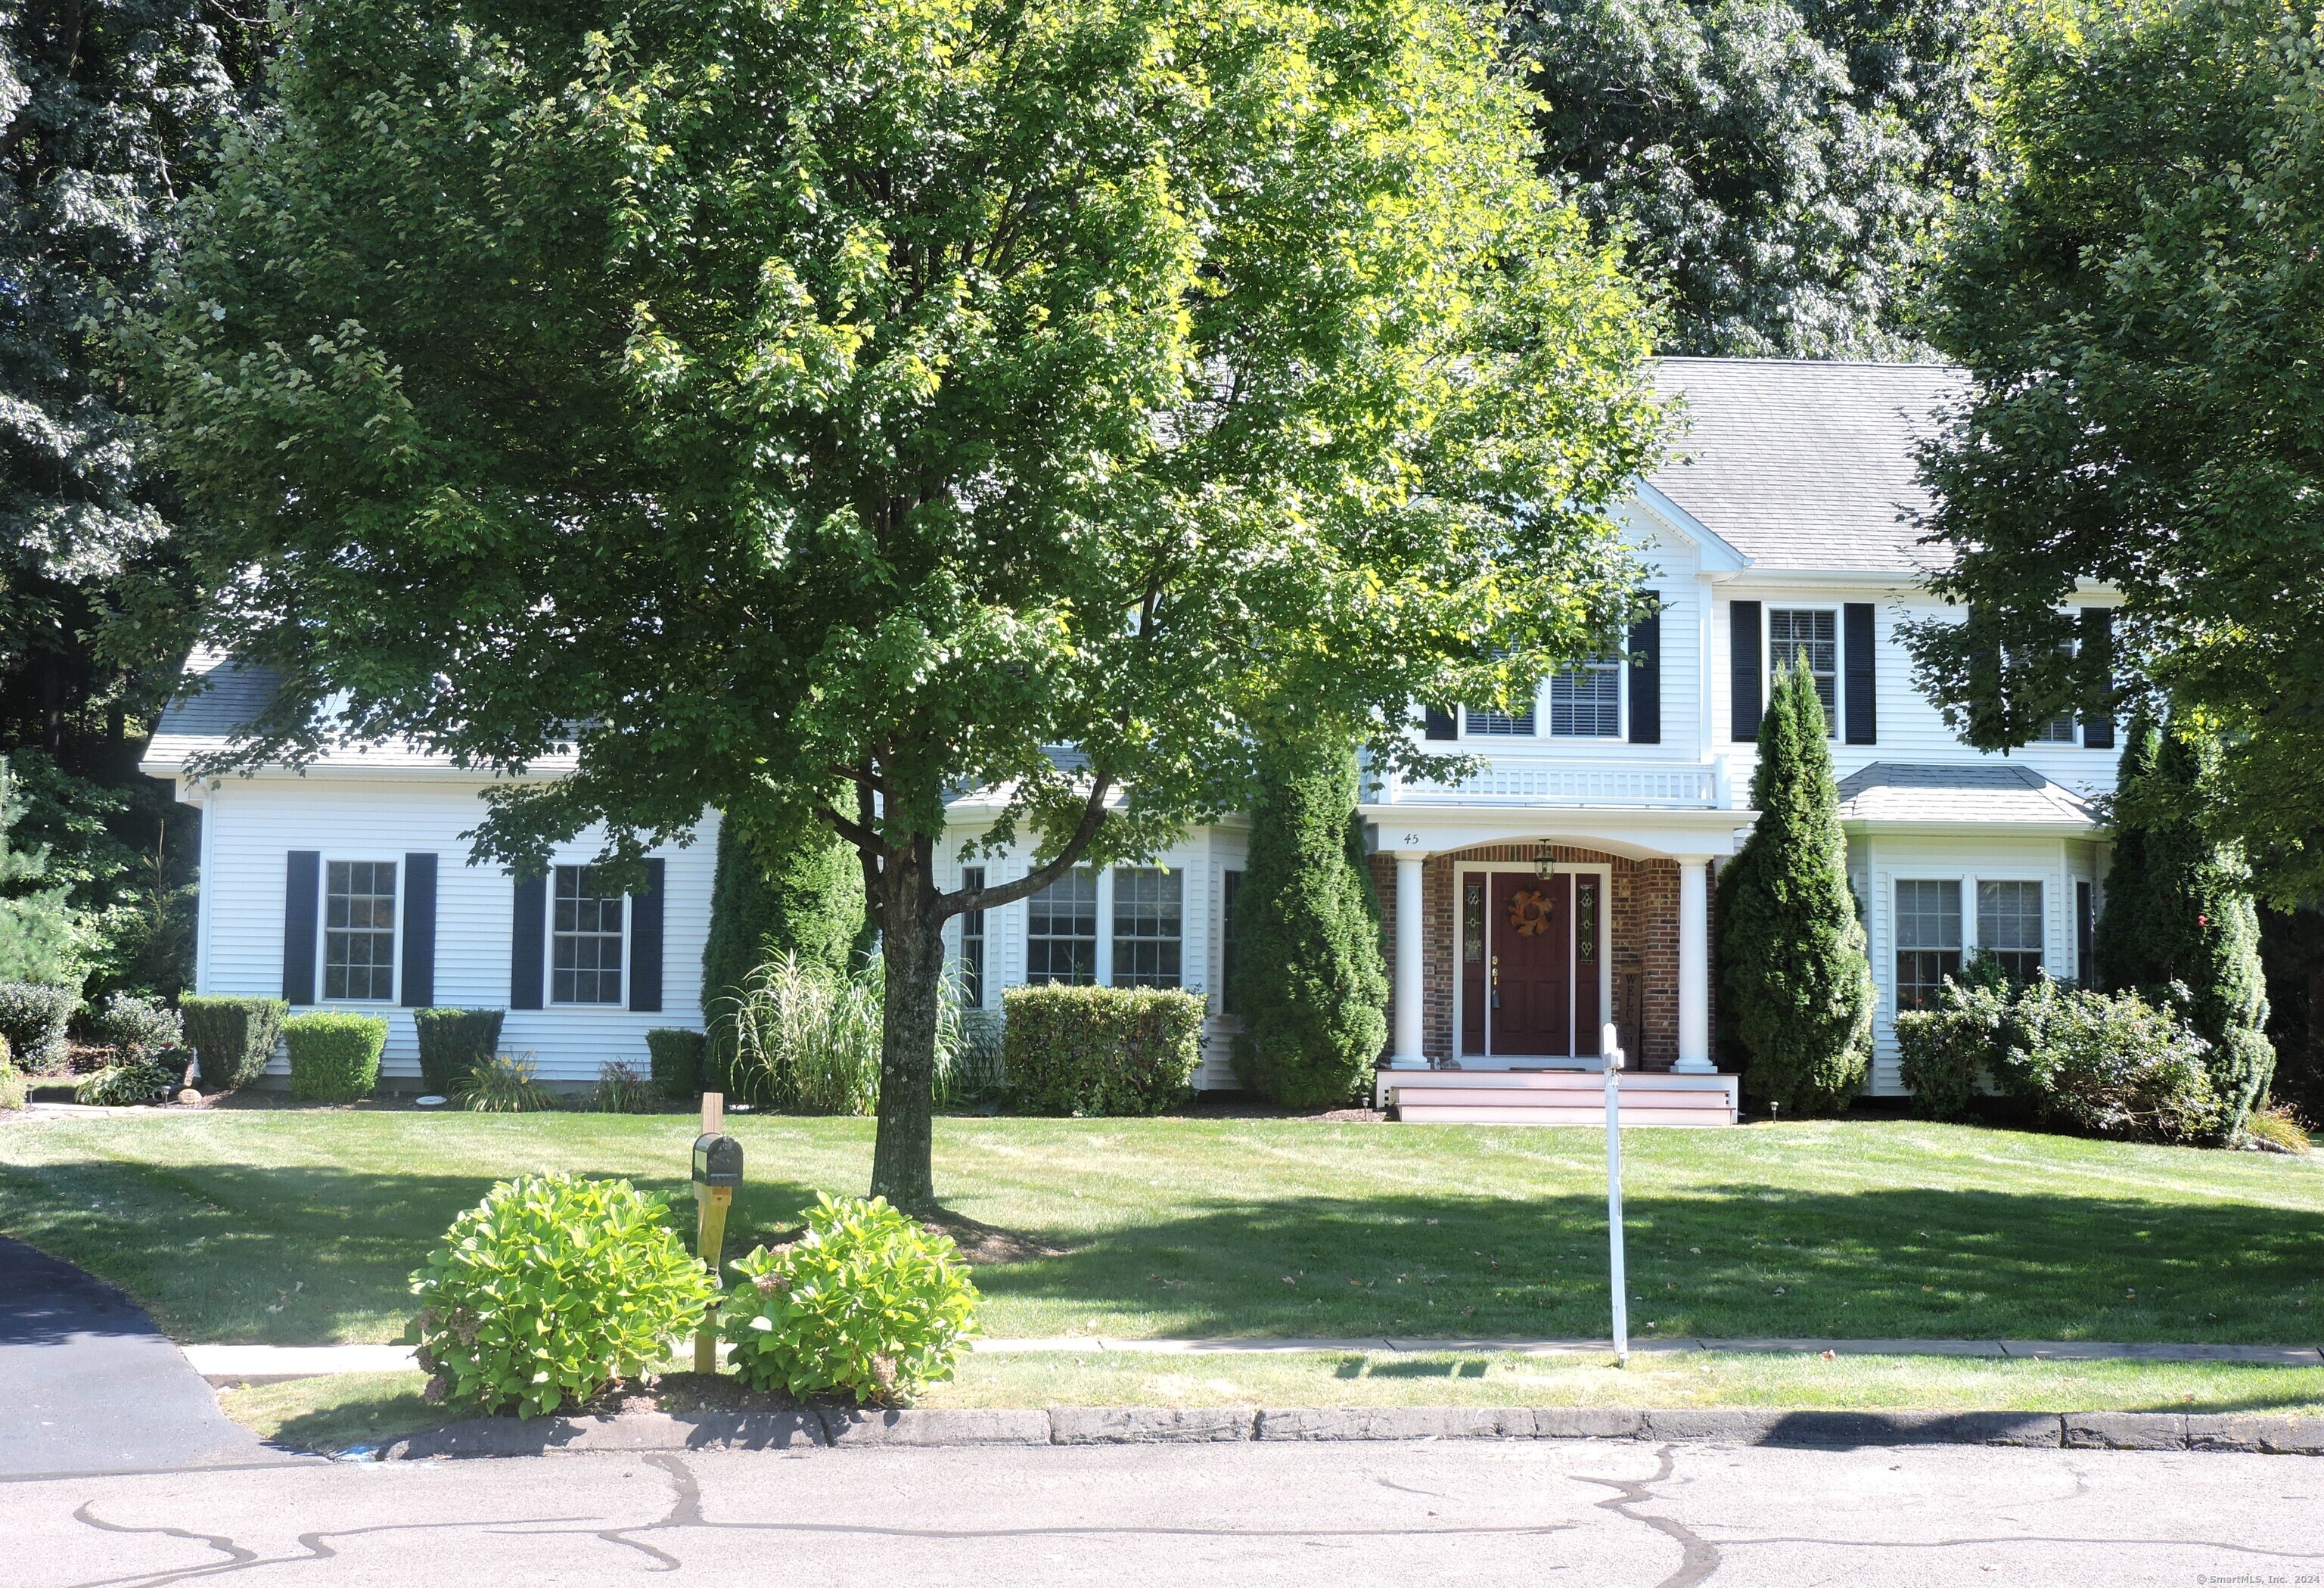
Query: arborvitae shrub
[(1791, 952), (1310, 985), (232, 1036), (2179, 909), (333, 1057), (454, 1041)]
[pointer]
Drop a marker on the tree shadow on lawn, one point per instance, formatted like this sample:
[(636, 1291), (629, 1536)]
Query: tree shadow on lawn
[(1729, 1263)]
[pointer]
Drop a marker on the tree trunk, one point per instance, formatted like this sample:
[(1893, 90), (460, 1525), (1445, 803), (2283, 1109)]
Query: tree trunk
[(912, 941)]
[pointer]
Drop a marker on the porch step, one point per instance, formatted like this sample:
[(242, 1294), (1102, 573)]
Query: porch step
[(1557, 1098)]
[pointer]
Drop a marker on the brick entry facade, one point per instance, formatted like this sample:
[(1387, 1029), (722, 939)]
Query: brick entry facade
[(1642, 936)]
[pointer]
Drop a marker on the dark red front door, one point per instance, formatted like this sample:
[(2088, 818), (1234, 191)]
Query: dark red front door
[(1531, 926)]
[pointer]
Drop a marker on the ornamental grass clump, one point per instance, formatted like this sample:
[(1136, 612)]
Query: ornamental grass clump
[(506, 1083), (550, 1289), (868, 1304)]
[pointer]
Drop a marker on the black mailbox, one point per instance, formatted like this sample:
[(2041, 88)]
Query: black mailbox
[(717, 1160)]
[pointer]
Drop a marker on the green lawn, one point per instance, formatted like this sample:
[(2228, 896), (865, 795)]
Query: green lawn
[(294, 1226)]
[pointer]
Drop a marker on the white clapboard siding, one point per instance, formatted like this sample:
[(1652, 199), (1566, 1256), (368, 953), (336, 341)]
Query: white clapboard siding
[(254, 824)]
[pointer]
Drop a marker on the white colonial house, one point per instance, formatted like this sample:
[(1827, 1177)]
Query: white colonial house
[(349, 886), (1566, 886)]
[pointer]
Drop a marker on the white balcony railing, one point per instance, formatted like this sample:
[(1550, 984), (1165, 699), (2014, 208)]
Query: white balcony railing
[(1569, 783)]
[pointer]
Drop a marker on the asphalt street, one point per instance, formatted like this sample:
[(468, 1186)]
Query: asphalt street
[(1336, 1514)]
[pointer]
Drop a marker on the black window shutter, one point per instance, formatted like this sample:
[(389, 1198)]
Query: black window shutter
[(2097, 642), (645, 943), (526, 943), (419, 930), (1856, 635), (1441, 724), (1647, 680), (1743, 663), (302, 894)]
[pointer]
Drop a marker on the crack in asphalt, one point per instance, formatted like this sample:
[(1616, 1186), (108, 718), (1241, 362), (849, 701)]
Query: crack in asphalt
[(686, 1513), (1700, 1555), (2029, 1538)]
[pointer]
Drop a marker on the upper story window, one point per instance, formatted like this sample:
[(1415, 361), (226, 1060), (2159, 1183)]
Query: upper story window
[(972, 944), (1514, 724), (359, 930), (1812, 634), (1585, 702), (2010, 926), (585, 963), (1147, 927), (1928, 940), (1061, 930)]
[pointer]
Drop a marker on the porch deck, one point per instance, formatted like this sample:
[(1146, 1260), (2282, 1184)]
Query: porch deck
[(1573, 1093)]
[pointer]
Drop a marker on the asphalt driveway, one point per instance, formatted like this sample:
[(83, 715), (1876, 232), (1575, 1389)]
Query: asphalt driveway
[(87, 1384)]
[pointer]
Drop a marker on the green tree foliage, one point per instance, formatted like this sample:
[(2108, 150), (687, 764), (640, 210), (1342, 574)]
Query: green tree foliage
[(1309, 982), (755, 397), (1791, 950), (2138, 300), (2182, 909), (1782, 168), (807, 900), (109, 109), (38, 942)]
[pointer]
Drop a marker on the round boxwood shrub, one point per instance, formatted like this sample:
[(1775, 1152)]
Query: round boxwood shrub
[(233, 1038), (550, 1289), (452, 1042), (334, 1057), (867, 1303)]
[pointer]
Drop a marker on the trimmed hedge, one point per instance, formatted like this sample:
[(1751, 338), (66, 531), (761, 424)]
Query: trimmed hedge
[(233, 1038), (676, 1056), (452, 1042), (334, 1057), (33, 1020), (1100, 1050)]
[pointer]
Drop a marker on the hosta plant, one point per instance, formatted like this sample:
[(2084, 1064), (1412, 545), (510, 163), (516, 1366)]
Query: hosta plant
[(867, 1303), (550, 1289)]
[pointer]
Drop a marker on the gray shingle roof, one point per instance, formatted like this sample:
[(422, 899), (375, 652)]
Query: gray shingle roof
[(1802, 464), (1984, 794)]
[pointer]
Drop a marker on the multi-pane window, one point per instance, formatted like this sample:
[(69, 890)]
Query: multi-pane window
[(1502, 725), (1812, 635), (584, 964), (1061, 930), (359, 929), (1928, 940), (2058, 730), (2010, 926), (972, 944), (1147, 927), (1585, 702)]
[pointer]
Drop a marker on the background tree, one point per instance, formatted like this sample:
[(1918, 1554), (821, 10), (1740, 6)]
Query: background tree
[(801, 894), (2140, 301), (759, 398), (1782, 169), (1309, 982), (1791, 950), (2183, 912), (37, 941), (109, 109)]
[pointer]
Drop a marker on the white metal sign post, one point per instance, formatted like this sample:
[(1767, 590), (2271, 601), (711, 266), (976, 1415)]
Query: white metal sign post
[(1613, 1062)]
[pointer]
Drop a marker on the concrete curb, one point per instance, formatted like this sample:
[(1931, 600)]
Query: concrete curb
[(1136, 1424)]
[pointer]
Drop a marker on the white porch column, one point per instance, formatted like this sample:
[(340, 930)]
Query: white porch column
[(1695, 965), (1410, 932)]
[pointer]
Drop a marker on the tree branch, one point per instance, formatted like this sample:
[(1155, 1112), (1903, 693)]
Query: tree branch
[(1040, 877)]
